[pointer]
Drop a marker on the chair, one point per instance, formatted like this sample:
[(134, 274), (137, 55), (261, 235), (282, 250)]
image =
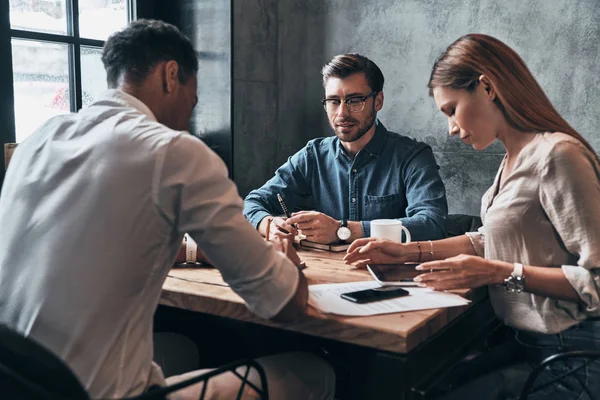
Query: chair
[(586, 356), (30, 371), (459, 224)]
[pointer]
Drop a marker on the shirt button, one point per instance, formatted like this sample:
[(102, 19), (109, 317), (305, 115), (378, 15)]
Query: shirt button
[(354, 200)]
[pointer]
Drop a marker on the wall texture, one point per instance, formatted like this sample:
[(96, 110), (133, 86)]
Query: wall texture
[(279, 47), (255, 92), (208, 24)]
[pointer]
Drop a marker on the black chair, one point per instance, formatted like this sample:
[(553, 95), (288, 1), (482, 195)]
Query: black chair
[(585, 357), (459, 224), (30, 371)]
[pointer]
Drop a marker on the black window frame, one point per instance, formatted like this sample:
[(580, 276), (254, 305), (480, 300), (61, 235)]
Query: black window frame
[(74, 41)]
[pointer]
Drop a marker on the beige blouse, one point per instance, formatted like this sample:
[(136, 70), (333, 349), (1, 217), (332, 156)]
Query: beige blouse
[(547, 214)]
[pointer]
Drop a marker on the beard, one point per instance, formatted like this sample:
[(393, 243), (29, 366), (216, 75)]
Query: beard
[(357, 131)]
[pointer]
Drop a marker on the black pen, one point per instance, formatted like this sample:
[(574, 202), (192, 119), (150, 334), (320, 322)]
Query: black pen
[(302, 264), (284, 208)]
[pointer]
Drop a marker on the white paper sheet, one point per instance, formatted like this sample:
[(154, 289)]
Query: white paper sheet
[(326, 298)]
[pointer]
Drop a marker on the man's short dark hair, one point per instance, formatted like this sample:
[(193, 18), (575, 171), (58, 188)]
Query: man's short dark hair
[(135, 51), (345, 65)]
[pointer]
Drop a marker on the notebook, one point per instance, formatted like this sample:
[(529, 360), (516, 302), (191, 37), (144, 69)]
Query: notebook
[(334, 247)]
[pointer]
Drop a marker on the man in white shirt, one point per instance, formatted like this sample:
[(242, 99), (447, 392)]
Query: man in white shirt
[(94, 208)]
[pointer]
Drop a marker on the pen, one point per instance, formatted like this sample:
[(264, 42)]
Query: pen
[(287, 214), (284, 208)]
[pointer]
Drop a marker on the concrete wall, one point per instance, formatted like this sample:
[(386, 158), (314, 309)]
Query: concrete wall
[(279, 47), (208, 24)]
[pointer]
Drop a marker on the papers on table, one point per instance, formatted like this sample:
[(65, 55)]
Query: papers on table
[(326, 298)]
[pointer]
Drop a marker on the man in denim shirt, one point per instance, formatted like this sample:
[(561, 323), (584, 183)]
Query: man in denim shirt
[(363, 173)]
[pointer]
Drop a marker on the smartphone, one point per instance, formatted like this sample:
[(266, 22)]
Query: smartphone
[(394, 274), (375, 294)]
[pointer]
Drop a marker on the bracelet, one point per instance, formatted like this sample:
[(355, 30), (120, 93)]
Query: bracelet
[(431, 250), (420, 252), (191, 249)]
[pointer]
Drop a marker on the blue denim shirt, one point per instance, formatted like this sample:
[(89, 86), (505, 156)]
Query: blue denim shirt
[(393, 176)]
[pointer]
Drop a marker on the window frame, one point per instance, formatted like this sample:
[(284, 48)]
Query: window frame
[(74, 42), (7, 96)]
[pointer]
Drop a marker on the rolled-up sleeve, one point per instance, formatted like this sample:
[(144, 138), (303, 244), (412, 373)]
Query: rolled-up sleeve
[(194, 194), (570, 195), (427, 207), (478, 241), (586, 283)]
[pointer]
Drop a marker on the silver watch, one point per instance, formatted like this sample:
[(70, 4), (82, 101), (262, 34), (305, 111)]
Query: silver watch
[(515, 283), (343, 232)]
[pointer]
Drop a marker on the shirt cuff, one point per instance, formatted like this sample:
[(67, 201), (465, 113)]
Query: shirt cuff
[(478, 241), (585, 285), (257, 217), (366, 228), (267, 296)]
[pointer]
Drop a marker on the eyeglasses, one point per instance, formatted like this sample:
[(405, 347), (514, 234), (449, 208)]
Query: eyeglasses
[(354, 104)]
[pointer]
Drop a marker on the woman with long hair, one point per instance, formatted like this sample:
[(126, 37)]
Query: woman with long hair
[(538, 251)]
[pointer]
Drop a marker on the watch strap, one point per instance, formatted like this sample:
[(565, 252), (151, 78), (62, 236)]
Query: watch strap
[(518, 271), (191, 249)]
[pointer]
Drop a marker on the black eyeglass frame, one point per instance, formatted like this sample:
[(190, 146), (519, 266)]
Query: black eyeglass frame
[(362, 98)]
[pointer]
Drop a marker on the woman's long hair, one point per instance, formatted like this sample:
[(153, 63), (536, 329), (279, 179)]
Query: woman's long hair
[(521, 99)]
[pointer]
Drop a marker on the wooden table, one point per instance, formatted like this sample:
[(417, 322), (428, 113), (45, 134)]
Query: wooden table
[(204, 290), (404, 350)]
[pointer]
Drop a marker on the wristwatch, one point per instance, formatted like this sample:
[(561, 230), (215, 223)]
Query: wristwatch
[(515, 283), (343, 232)]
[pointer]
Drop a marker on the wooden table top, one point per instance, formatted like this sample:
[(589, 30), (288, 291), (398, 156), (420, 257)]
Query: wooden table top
[(203, 290)]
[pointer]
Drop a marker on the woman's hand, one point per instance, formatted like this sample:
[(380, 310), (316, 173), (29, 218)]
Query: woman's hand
[(463, 272), (375, 251)]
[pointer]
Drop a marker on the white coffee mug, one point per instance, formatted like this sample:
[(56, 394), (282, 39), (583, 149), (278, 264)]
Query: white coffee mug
[(390, 229)]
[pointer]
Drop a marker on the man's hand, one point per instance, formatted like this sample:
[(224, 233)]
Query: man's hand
[(296, 305), (279, 227), (316, 226), (287, 248)]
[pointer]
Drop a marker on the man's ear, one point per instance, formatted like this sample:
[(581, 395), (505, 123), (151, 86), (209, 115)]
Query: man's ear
[(378, 101), (487, 85), (171, 76)]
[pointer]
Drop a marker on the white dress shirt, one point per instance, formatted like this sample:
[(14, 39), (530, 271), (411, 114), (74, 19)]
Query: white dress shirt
[(92, 212)]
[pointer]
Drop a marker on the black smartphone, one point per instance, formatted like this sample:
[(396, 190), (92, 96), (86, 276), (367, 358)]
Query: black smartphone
[(375, 294)]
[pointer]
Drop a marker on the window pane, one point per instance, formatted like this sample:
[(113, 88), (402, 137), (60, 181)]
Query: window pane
[(47, 16), (98, 19), (93, 75), (41, 82)]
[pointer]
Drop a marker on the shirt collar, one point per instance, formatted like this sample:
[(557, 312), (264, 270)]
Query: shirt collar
[(375, 145), (119, 96)]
